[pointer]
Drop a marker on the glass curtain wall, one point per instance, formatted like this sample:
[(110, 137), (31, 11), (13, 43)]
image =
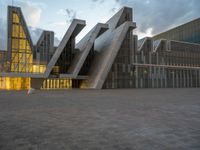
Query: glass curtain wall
[(21, 56)]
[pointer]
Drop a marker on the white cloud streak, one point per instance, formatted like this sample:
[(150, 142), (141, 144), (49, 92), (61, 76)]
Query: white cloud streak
[(32, 12)]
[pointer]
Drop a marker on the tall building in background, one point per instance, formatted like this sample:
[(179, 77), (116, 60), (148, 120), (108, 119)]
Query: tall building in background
[(109, 56)]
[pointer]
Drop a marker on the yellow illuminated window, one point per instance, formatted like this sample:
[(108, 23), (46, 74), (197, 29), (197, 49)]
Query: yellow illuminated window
[(15, 18), (15, 44), (22, 44), (7, 83), (57, 84), (22, 34), (15, 30), (39, 68)]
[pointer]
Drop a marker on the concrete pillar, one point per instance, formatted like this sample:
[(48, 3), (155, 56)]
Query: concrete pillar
[(157, 58), (113, 84), (141, 83), (162, 77), (188, 79), (136, 76), (155, 77), (177, 78), (159, 76), (150, 77), (173, 79), (181, 78), (196, 79), (199, 79), (184, 78), (191, 78), (166, 78), (150, 61)]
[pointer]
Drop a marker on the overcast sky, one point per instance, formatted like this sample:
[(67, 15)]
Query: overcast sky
[(151, 16)]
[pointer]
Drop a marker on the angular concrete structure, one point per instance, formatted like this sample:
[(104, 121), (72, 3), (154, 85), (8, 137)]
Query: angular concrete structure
[(74, 29), (107, 46), (84, 47)]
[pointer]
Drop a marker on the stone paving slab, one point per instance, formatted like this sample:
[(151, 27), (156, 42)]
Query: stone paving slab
[(134, 119)]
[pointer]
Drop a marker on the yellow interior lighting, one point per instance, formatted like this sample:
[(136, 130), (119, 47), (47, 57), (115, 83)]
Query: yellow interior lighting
[(8, 83)]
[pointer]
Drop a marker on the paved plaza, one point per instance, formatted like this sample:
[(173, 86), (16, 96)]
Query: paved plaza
[(134, 119)]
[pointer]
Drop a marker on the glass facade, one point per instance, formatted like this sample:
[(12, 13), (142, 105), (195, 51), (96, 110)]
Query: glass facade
[(39, 68), (87, 64), (21, 55), (66, 56)]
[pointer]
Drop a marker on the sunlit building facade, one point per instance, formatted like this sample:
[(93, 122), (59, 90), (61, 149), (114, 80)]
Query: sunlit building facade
[(109, 57)]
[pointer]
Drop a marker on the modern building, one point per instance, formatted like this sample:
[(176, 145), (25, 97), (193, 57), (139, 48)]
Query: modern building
[(109, 56)]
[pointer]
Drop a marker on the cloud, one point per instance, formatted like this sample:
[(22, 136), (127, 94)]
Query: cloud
[(113, 9), (36, 33), (160, 15), (32, 11), (99, 1), (151, 16), (61, 12), (71, 14), (56, 24)]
